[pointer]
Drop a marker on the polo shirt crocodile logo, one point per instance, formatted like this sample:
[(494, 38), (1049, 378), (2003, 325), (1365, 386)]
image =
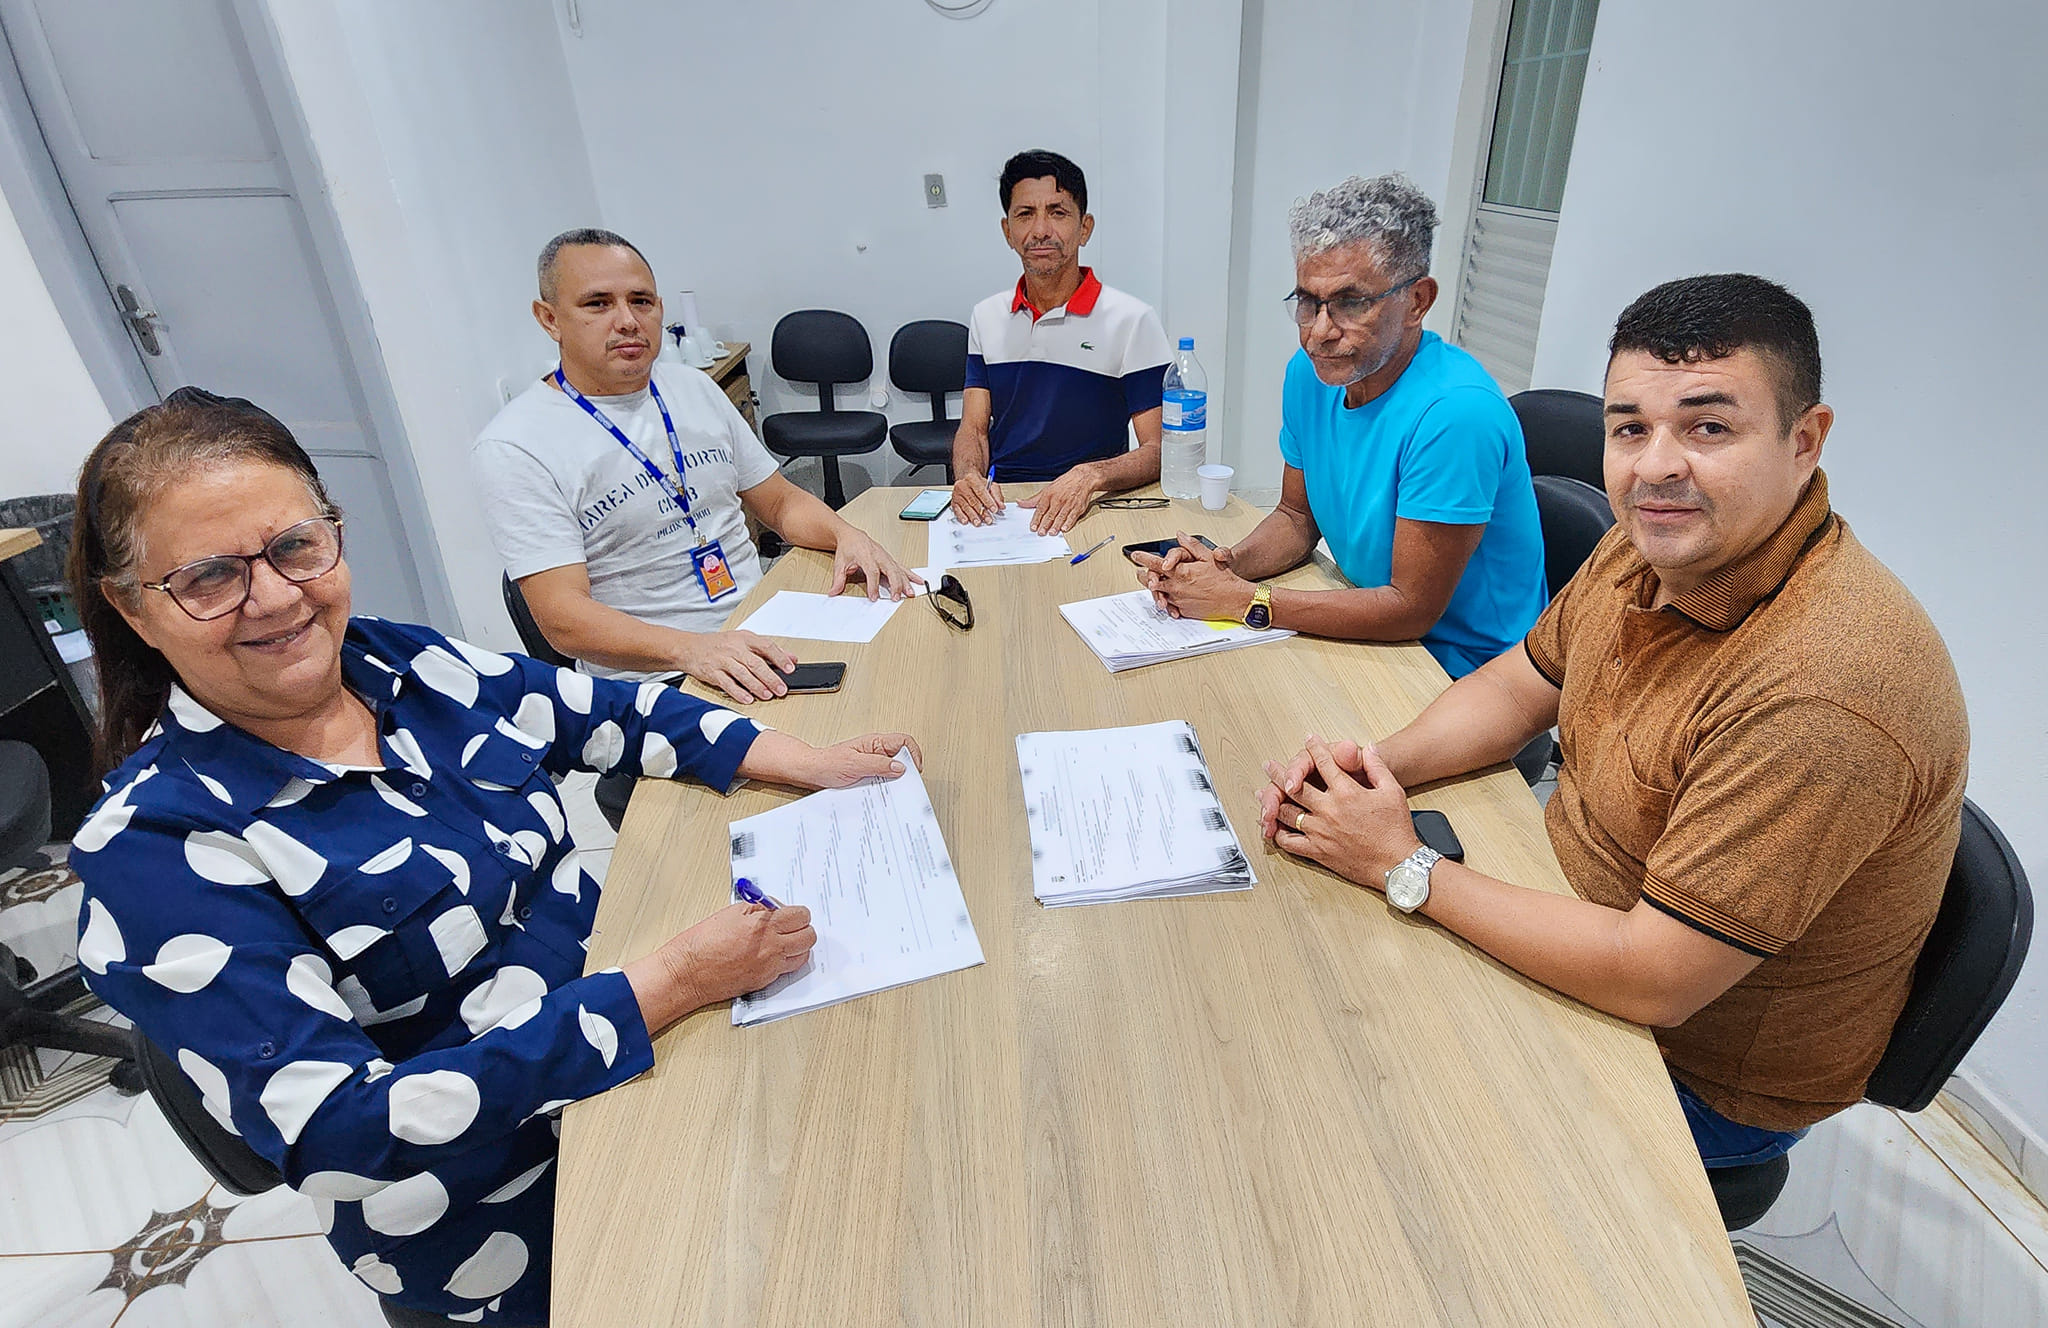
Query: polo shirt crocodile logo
[(1087, 345)]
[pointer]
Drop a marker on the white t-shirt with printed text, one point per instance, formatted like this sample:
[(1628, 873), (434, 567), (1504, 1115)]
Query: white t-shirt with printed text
[(558, 489)]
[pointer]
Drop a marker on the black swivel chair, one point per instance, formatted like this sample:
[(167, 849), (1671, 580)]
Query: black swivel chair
[(824, 347), (1562, 432), (1574, 517), (613, 792), (227, 1157), (31, 1011), (929, 355), (1967, 967), (531, 637)]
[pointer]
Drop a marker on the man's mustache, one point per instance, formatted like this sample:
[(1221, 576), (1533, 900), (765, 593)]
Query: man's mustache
[(1678, 495)]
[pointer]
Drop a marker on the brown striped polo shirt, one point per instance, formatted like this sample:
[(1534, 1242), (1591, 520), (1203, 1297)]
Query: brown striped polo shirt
[(1777, 758)]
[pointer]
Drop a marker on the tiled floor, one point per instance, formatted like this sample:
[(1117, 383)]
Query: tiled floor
[(1911, 1217), (105, 1219)]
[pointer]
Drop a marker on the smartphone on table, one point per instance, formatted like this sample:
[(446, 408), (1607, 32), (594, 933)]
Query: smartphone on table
[(814, 678), (927, 505), (1434, 829), (1160, 548)]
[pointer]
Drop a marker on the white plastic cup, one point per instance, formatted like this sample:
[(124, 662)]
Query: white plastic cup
[(1215, 486)]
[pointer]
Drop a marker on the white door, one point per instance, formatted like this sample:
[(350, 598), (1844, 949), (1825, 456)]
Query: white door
[(153, 115)]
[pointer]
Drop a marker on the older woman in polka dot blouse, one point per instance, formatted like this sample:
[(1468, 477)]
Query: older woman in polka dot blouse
[(332, 876)]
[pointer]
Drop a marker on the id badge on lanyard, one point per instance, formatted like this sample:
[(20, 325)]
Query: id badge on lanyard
[(714, 573)]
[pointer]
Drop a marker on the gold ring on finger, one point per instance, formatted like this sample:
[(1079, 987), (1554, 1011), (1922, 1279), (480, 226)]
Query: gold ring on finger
[(1300, 819)]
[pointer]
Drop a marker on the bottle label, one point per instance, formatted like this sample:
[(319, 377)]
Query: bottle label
[(1184, 411)]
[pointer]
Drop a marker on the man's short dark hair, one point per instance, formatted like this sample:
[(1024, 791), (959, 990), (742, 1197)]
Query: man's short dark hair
[(1036, 165), (544, 270), (1711, 317)]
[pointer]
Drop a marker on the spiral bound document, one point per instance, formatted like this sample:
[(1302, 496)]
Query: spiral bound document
[(1130, 630), (1126, 813)]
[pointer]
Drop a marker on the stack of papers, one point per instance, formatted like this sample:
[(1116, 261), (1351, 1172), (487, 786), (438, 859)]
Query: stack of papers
[(1130, 630), (870, 864), (1007, 539), (1126, 813)]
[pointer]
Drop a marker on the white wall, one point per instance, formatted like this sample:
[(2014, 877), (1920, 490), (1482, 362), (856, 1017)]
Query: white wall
[(451, 149), (1327, 90), (50, 412), (793, 178), (1893, 171)]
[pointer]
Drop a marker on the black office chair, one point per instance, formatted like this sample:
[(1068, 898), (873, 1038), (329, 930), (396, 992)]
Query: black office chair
[(227, 1157), (1970, 961), (31, 1011), (1562, 433), (929, 355), (1574, 517), (531, 637), (824, 347), (613, 792)]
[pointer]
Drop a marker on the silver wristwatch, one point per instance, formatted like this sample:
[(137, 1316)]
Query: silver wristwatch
[(1408, 882)]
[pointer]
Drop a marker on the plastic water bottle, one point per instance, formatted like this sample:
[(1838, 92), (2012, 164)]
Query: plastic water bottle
[(1185, 415)]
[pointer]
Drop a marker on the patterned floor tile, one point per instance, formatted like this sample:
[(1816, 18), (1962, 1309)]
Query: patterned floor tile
[(55, 1289), (94, 1181), (290, 1283)]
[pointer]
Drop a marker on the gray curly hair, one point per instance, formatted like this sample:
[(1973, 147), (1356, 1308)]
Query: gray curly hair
[(1387, 213)]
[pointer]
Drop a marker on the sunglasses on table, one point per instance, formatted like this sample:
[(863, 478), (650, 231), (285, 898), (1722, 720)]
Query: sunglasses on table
[(217, 586), (949, 600)]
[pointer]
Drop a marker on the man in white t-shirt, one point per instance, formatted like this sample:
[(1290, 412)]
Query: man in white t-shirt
[(618, 572)]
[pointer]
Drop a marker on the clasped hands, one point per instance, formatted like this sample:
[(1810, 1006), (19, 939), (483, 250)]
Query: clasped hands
[(1195, 581), (1339, 805)]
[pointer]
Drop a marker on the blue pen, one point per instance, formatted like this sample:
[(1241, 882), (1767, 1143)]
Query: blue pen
[(751, 894), (1090, 549)]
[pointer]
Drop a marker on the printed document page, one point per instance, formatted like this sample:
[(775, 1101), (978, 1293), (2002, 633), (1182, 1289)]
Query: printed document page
[(809, 617), (1007, 539), (871, 865), (1125, 813)]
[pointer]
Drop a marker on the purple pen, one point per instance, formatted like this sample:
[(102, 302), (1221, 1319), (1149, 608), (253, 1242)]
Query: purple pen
[(752, 894)]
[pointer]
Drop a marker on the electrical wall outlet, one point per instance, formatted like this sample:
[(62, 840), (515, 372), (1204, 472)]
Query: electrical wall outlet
[(935, 191)]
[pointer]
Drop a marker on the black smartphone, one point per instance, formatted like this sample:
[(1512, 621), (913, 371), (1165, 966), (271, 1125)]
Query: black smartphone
[(927, 505), (1160, 548), (1434, 829), (815, 678)]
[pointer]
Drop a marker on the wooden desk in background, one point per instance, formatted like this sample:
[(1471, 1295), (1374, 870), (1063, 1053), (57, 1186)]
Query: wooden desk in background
[(729, 371), (1288, 1105)]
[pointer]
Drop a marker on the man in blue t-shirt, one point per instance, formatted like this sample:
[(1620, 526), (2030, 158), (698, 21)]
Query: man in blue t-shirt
[(1400, 451)]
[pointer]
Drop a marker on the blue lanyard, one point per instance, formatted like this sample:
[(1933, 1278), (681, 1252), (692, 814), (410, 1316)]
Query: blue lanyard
[(674, 488)]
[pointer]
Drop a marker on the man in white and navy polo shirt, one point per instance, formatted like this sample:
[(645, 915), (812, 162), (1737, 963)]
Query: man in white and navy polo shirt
[(1059, 371)]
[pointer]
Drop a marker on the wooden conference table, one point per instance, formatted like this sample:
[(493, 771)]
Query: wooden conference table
[(1285, 1105)]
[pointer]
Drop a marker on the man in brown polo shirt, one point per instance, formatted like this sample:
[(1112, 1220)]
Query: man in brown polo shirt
[(1764, 742)]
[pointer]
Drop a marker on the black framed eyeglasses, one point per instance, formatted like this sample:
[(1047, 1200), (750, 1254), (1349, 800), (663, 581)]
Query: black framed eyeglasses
[(215, 587), (1347, 308), (1129, 504), (949, 599)]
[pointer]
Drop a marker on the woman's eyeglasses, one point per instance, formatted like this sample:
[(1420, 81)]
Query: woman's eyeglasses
[(949, 598), (215, 587)]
